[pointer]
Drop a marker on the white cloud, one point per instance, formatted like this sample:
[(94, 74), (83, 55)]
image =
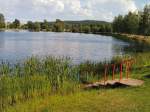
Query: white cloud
[(65, 9), (56, 5)]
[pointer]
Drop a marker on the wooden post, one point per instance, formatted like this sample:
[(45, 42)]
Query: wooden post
[(105, 75), (127, 70), (113, 76), (121, 65)]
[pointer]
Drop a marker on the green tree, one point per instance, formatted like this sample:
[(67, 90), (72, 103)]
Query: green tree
[(102, 28), (86, 29), (45, 26), (118, 24), (94, 29), (16, 24), (33, 26), (24, 26), (37, 26), (30, 25), (75, 28), (80, 28), (2, 21), (58, 26), (131, 23), (145, 21), (108, 28)]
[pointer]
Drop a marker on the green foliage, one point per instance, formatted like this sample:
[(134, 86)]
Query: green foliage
[(41, 77), (30, 25), (58, 26), (94, 28), (35, 78), (45, 26), (69, 26), (36, 26), (86, 29), (145, 21), (2, 21), (102, 100), (15, 24), (133, 23), (33, 26), (118, 24), (108, 28)]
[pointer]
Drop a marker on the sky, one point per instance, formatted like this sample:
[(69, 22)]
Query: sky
[(38, 10)]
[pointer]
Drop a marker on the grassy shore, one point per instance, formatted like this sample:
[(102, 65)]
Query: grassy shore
[(53, 85), (37, 77), (129, 99), (134, 38), (138, 43), (129, 37)]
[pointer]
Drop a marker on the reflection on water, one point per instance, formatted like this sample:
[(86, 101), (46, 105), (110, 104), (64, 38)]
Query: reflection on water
[(80, 47), (2, 40)]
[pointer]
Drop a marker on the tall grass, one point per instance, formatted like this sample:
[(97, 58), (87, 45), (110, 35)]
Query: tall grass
[(37, 77), (142, 60), (91, 71)]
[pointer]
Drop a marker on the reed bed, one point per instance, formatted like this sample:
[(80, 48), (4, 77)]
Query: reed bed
[(37, 77), (34, 78)]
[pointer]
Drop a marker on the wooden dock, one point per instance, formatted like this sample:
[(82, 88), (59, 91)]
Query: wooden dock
[(116, 83)]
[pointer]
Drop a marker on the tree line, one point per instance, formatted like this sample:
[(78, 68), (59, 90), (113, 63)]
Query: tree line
[(58, 26), (133, 23), (64, 26)]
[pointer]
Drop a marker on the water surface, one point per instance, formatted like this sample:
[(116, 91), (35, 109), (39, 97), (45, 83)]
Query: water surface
[(79, 47)]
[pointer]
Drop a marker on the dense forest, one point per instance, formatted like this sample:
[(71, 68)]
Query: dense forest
[(131, 23)]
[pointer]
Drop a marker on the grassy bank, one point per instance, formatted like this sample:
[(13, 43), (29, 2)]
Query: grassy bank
[(110, 100), (138, 43), (129, 99), (39, 84), (37, 77), (129, 37), (133, 38)]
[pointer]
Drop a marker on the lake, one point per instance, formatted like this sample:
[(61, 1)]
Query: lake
[(79, 47)]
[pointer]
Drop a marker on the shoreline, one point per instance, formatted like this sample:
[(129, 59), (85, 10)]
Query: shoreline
[(129, 36), (136, 39)]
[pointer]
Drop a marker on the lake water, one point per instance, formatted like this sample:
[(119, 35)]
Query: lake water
[(79, 47)]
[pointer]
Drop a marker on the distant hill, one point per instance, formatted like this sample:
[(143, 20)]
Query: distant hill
[(87, 22)]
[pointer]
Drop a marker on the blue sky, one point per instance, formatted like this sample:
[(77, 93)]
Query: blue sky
[(37, 10), (141, 3)]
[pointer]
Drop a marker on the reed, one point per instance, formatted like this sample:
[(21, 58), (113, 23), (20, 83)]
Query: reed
[(37, 77)]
